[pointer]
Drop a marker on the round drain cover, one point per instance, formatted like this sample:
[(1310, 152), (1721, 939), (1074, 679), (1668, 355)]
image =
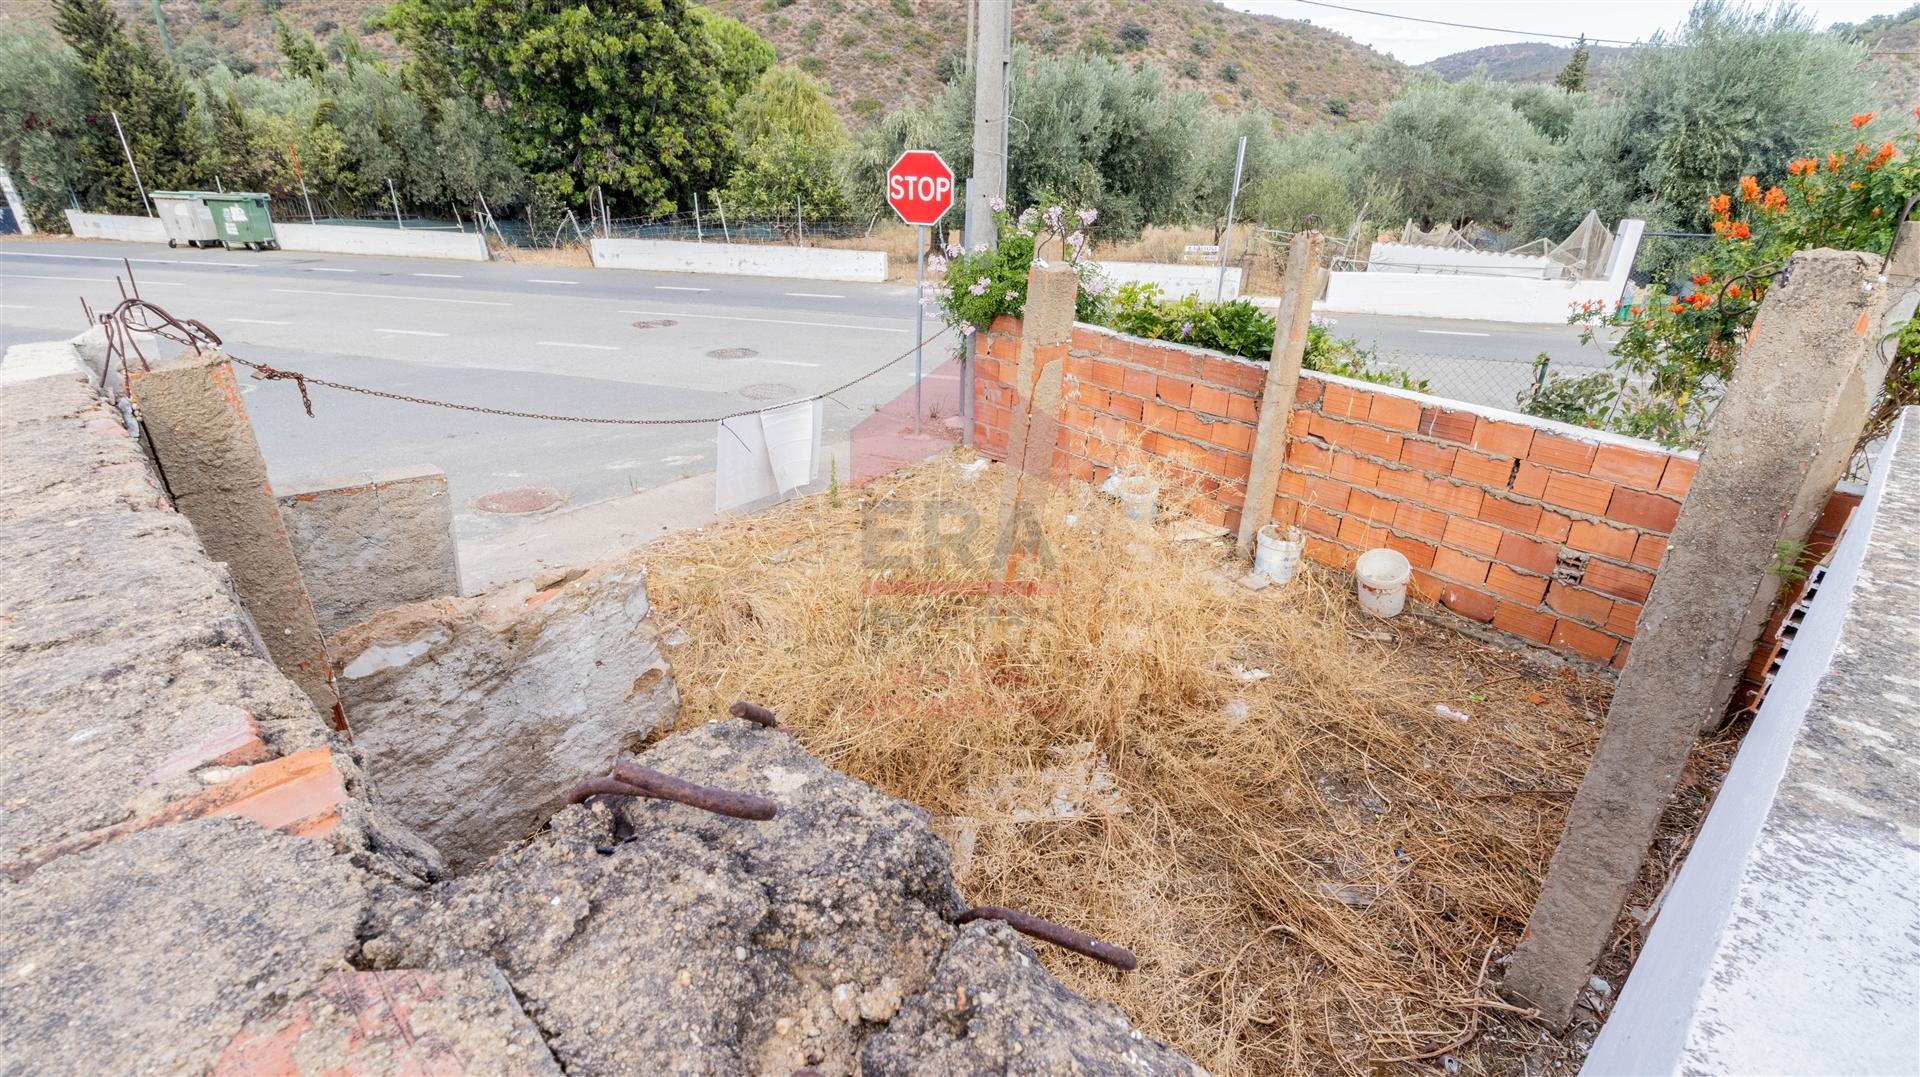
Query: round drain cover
[(519, 501), (768, 390), (732, 353), (655, 323)]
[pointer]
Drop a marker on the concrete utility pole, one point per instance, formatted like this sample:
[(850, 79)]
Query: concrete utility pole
[(1812, 365), (1283, 376), (992, 88), (1034, 427)]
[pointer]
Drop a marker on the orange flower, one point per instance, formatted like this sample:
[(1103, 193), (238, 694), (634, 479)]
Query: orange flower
[(1862, 120), (1749, 188), (1699, 299), (1701, 279), (1876, 211), (1635, 311), (1801, 167), (1720, 205), (1676, 308), (1733, 291), (1854, 186), (1775, 200), (1881, 158), (1834, 161), (1741, 231)]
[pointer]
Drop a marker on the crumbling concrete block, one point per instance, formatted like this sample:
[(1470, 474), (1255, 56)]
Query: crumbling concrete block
[(647, 936), (373, 541), (476, 714)]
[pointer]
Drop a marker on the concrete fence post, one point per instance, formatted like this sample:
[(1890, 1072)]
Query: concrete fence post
[(1283, 377), (199, 430), (1798, 400), (1034, 429)]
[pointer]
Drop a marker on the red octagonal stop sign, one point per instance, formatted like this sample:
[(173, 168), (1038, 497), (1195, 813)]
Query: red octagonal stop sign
[(920, 187)]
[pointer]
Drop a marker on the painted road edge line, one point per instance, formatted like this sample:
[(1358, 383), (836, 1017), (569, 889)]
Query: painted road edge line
[(443, 276), (1451, 333), (678, 288), (116, 258), (791, 362), (410, 332), (404, 298), (570, 344), (94, 280), (765, 321), (813, 295), (545, 280), (256, 321)]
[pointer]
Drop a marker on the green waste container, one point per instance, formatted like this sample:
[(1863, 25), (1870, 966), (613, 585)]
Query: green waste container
[(242, 219), (216, 218)]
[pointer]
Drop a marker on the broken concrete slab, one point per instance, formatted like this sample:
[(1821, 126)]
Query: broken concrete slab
[(746, 947), (372, 541), (408, 1021), (476, 714)]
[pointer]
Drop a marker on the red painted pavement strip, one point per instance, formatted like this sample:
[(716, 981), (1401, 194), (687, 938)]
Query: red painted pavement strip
[(299, 794), (382, 1038)]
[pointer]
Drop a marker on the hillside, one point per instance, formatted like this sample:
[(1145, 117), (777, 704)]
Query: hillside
[(1526, 61), (880, 54), (1894, 41)]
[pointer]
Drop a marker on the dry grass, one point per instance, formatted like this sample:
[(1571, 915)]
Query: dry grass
[(1314, 867)]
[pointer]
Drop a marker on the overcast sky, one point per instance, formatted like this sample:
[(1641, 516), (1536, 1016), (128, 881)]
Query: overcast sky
[(1413, 42)]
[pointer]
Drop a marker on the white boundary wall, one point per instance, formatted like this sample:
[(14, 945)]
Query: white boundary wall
[(740, 259), (392, 242), (1790, 940), (1412, 258), (114, 226), (1481, 297), (1174, 280), (316, 238)]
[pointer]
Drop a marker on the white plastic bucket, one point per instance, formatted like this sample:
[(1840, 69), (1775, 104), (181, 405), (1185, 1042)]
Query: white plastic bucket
[(1276, 554), (1381, 576), (1139, 498)]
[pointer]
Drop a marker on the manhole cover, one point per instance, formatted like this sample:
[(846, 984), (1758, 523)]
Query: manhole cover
[(732, 353), (768, 390), (654, 323), (519, 501)]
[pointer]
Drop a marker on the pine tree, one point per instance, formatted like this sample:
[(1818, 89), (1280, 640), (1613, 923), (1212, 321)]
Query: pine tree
[(1573, 77), (126, 75)]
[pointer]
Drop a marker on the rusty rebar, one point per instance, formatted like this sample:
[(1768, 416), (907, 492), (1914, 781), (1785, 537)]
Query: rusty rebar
[(593, 787), (754, 712), (651, 783), (1047, 931)]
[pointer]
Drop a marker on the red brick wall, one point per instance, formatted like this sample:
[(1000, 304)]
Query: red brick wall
[(1544, 531)]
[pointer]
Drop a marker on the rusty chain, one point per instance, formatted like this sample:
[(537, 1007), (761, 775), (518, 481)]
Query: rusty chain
[(137, 315)]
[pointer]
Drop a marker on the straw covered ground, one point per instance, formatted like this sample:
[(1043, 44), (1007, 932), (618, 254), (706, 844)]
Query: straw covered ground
[(1254, 791)]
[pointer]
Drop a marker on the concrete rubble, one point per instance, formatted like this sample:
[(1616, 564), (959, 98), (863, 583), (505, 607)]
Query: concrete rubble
[(198, 876), (651, 930), (476, 713)]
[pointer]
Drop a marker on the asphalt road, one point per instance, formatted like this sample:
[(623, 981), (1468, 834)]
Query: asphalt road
[(575, 342)]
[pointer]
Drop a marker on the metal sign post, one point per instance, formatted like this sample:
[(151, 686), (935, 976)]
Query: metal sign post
[(919, 314), (1226, 237), (920, 190)]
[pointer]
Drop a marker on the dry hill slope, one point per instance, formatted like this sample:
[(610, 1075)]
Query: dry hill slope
[(880, 54)]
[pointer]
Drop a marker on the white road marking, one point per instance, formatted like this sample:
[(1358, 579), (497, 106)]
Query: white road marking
[(411, 332), (444, 276), (405, 298), (115, 258), (566, 344), (14, 306), (258, 321), (765, 321), (94, 280), (1451, 333), (789, 362), (678, 288), (328, 269), (813, 295), (544, 280)]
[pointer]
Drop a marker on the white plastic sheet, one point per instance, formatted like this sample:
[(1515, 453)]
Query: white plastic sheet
[(771, 452)]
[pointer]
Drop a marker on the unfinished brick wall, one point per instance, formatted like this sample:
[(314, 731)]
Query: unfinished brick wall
[(1547, 532)]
